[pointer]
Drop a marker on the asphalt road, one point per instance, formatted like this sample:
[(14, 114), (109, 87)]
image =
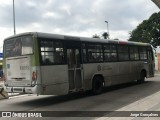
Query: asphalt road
[(112, 99)]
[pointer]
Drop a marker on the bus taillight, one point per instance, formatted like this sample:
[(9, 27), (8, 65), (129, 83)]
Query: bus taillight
[(34, 76)]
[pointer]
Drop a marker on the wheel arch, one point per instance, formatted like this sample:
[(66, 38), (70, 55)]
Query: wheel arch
[(144, 71), (97, 84), (98, 75)]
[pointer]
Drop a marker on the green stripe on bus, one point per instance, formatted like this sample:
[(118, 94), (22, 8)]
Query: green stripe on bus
[(35, 59)]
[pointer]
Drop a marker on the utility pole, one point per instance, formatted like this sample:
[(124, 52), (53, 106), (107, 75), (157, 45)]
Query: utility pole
[(14, 19), (107, 28)]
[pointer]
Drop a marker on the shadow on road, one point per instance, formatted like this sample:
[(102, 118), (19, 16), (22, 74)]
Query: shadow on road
[(111, 99)]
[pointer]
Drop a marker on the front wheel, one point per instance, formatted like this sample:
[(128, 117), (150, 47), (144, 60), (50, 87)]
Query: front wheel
[(97, 85)]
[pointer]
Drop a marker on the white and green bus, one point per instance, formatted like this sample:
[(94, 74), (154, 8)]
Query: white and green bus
[(50, 64)]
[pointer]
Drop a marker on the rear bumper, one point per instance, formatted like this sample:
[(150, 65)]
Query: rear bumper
[(25, 90)]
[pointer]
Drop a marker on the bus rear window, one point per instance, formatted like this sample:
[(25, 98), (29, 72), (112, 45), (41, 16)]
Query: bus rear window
[(18, 46)]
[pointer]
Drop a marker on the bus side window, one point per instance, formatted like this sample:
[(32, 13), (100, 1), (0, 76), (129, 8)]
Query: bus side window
[(110, 53), (47, 57), (90, 56), (58, 53), (143, 53), (123, 53), (133, 51), (113, 53), (151, 54), (107, 54), (52, 52), (84, 53), (95, 53), (46, 52)]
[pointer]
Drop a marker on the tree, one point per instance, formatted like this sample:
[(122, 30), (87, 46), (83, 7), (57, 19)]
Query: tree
[(95, 36), (148, 31), (105, 35)]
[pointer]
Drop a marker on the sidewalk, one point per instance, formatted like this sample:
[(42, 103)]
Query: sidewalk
[(157, 72), (150, 103)]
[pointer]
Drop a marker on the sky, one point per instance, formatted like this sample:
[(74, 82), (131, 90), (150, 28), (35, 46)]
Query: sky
[(74, 17)]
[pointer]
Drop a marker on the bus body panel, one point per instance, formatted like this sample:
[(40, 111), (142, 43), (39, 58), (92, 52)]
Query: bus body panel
[(18, 70), (113, 72), (23, 86), (55, 89), (55, 79)]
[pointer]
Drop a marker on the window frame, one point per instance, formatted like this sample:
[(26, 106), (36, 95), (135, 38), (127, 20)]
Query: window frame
[(53, 41), (134, 52), (96, 44), (110, 52), (143, 53), (123, 52)]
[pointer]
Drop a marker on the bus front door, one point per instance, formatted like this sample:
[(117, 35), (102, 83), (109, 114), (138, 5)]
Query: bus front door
[(74, 69)]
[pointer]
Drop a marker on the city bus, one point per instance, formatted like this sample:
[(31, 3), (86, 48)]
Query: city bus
[(51, 64)]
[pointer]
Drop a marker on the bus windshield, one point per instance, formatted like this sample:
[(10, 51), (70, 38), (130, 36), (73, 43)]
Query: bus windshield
[(18, 46)]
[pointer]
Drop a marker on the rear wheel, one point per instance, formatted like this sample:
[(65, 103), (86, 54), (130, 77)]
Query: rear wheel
[(97, 85), (142, 77)]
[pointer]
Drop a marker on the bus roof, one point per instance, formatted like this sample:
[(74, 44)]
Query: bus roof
[(76, 38)]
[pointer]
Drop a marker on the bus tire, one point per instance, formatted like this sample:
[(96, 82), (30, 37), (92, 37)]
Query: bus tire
[(97, 85), (142, 77)]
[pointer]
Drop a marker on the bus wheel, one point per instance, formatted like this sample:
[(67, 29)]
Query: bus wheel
[(142, 77), (97, 85)]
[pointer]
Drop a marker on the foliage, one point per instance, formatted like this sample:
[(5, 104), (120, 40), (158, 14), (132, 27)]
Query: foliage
[(105, 35), (95, 36), (148, 31)]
